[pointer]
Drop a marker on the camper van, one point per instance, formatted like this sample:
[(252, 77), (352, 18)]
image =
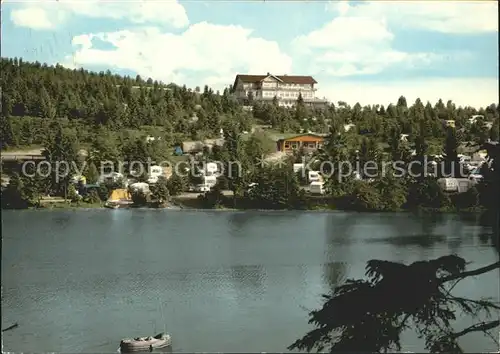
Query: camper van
[(211, 168), (200, 188), (448, 184), (111, 177), (297, 167), (140, 187), (317, 188), (314, 176), (209, 180), (154, 173)]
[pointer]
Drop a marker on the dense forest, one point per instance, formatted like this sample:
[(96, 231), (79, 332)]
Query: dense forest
[(34, 93), (37, 93)]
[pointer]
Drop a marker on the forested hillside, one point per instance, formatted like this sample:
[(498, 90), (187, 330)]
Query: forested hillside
[(82, 100), (39, 93)]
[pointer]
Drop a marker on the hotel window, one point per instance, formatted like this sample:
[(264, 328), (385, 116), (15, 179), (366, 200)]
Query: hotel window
[(287, 146)]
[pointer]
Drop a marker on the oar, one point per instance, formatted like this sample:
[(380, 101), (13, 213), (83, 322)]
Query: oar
[(11, 327)]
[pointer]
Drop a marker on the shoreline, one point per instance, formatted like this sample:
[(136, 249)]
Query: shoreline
[(179, 206), (194, 201)]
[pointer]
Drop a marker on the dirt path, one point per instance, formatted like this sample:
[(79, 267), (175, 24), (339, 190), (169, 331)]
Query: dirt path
[(22, 152), (32, 152), (275, 156), (190, 195)]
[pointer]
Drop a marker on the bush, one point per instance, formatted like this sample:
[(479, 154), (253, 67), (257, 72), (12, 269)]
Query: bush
[(393, 193), (428, 194), (72, 194), (223, 182), (176, 184), (277, 188), (140, 198), (160, 190), (364, 197), (103, 192), (92, 197), (343, 188), (214, 199), (467, 200)]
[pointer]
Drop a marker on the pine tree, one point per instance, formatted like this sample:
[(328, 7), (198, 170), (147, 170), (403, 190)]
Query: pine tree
[(160, 190), (92, 174), (8, 138)]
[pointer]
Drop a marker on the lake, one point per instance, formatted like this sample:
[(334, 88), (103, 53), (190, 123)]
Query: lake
[(79, 281)]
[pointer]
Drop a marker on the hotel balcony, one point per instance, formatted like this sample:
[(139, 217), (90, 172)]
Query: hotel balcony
[(282, 88)]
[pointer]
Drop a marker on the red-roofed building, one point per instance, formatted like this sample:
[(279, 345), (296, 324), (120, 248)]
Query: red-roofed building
[(286, 88)]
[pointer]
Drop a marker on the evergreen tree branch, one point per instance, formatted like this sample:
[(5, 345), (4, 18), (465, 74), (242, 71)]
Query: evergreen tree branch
[(470, 273), (478, 327)]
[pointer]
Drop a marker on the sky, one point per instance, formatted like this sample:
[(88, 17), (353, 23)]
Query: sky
[(369, 52)]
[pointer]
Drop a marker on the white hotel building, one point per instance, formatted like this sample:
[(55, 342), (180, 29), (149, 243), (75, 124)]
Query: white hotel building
[(286, 88)]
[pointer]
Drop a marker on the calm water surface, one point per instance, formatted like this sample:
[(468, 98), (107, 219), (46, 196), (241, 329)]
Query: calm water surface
[(79, 281)]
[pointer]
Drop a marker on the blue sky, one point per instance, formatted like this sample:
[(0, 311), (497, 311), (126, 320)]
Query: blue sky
[(371, 51)]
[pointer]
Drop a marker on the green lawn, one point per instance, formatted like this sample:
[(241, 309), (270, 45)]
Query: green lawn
[(276, 135)]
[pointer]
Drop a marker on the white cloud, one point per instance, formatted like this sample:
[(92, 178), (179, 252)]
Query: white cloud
[(441, 16), (58, 12), (475, 92), (32, 17), (355, 45), (343, 64), (359, 41), (346, 32), (204, 54)]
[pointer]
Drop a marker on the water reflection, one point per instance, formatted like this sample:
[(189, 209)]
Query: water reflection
[(429, 224), (491, 221), (457, 236), (334, 274), (425, 231), (421, 240), (470, 218), (480, 228), (62, 220), (340, 228), (248, 280), (240, 222)]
